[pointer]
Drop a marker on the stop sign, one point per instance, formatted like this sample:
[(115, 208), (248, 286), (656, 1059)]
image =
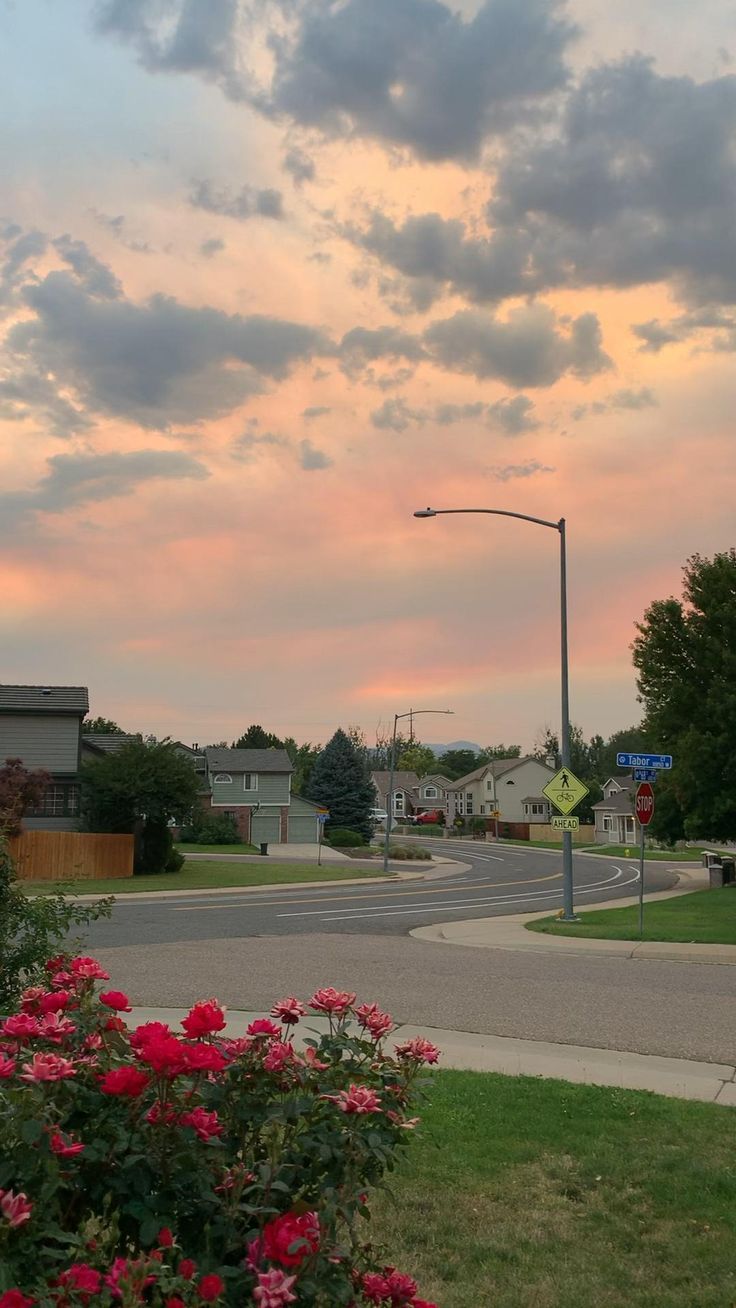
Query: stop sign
[(644, 805)]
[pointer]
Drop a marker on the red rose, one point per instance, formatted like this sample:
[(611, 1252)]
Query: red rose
[(203, 1058), (165, 1238), (280, 1234), (128, 1081), (117, 1000), (211, 1287), (205, 1018), (187, 1267), (15, 1299)]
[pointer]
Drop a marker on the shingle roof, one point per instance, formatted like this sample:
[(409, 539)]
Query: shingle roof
[(107, 743), (402, 781), (248, 760), (621, 802), (497, 768), (44, 699)]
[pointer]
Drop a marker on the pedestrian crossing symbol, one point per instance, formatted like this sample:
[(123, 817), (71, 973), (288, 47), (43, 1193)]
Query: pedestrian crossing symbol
[(565, 790)]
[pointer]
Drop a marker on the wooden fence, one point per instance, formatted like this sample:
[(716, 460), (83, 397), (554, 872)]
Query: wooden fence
[(71, 855)]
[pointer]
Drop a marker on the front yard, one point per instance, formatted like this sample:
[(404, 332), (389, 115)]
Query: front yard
[(206, 875), (521, 1193), (704, 917)]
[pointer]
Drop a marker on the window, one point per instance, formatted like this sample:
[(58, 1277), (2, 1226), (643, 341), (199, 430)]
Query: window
[(489, 783), (229, 813), (222, 779), (459, 805), (510, 783), (482, 808), (250, 781), (58, 801), (537, 808), (607, 822), (399, 801), (430, 792), (468, 803)]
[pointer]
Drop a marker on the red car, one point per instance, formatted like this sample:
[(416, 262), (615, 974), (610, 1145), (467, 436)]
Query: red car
[(435, 816)]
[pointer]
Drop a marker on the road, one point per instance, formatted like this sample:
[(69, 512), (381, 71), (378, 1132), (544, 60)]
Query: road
[(502, 879), (250, 950)]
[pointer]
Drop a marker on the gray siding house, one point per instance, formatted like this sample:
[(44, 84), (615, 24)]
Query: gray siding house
[(42, 726), (253, 787)]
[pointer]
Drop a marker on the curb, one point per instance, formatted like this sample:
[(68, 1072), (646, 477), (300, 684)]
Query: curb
[(468, 1051)]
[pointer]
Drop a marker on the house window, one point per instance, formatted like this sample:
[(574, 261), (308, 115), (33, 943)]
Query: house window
[(537, 809), (229, 813), (399, 801), (58, 801), (223, 779), (459, 804), (469, 804), (489, 783), (510, 783), (607, 822), (482, 808), (430, 792), (250, 781)]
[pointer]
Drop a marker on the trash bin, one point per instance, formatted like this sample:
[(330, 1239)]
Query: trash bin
[(264, 847), (715, 876), (728, 867)]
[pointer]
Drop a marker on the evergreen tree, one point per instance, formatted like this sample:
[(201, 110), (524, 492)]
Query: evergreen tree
[(102, 727), (256, 738), (340, 782), (456, 763)]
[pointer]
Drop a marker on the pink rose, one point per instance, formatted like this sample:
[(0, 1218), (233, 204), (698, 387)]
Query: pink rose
[(47, 1067), (262, 1026), (418, 1050), (205, 1124), (88, 969), (273, 1289), (20, 1026), (358, 1099), (370, 1017), (15, 1208), (329, 1000), (288, 1010), (278, 1057), (7, 1067)]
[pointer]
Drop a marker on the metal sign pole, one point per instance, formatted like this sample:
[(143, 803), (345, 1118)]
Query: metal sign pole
[(319, 844), (641, 881)]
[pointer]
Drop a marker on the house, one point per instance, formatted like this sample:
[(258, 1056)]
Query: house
[(511, 787), (42, 726), (615, 823), (405, 792), (253, 787), (432, 794)]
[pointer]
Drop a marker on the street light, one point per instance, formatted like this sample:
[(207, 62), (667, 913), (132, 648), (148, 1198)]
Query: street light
[(568, 912), (391, 765)]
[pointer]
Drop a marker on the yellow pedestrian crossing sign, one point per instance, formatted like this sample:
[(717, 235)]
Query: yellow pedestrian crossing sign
[(565, 790)]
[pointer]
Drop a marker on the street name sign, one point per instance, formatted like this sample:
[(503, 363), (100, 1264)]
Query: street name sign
[(644, 804), (646, 774), (564, 823), (659, 761), (565, 790)]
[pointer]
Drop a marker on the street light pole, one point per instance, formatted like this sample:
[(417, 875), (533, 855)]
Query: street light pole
[(568, 911), (391, 769)]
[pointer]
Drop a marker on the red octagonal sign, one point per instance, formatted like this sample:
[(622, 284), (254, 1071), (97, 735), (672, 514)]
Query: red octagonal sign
[(644, 805)]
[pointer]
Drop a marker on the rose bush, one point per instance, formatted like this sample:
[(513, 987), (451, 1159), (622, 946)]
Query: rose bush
[(142, 1166)]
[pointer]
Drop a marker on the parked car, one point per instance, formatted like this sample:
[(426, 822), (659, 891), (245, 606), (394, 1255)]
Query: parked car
[(434, 816), (379, 815)]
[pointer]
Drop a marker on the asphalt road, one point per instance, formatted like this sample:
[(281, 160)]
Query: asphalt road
[(500, 880)]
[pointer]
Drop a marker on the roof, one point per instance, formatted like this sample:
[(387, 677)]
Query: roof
[(402, 781), (498, 767), (248, 760), (44, 699), (534, 799), (623, 780), (106, 742), (435, 778), (621, 802)]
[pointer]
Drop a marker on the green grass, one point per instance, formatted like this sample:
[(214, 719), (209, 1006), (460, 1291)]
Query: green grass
[(521, 1193), (651, 855), (705, 917), (186, 848), (207, 875)]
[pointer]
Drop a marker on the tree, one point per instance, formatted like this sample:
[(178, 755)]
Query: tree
[(140, 789), (102, 727), (340, 782), (256, 738), (492, 752), (685, 657), (547, 745), (303, 759), (631, 740), (456, 763), (417, 758), (20, 789), (380, 757)]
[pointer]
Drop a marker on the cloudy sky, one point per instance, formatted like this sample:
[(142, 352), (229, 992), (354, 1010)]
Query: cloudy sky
[(275, 273)]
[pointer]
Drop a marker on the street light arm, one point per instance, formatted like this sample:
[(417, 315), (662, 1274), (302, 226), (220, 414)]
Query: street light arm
[(499, 513)]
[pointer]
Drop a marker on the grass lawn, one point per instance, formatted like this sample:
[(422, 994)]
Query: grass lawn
[(214, 850), (706, 917), (522, 1193), (207, 875), (654, 855)]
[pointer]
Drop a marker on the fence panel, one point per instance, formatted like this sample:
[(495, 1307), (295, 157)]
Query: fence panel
[(71, 855)]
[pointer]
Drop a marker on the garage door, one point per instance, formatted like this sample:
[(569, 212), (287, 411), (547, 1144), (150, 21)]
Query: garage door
[(302, 831), (265, 828)]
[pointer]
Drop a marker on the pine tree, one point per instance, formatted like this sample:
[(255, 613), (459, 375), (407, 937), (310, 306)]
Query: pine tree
[(340, 782)]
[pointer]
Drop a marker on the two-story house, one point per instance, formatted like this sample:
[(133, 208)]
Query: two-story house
[(511, 787), (42, 726), (253, 787), (431, 794), (615, 823)]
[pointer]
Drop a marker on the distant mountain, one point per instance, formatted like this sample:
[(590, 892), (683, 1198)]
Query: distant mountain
[(439, 750)]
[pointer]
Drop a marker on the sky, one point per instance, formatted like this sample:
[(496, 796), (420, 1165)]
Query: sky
[(276, 273)]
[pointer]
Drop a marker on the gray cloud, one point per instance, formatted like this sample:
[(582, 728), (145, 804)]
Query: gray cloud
[(158, 362), (211, 247), (246, 203), (312, 459), (513, 415), (626, 398), (244, 447), (92, 273), (299, 165), (75, 479), (21, 249), (396, 415), (531, 348), (510, 415), (512, 471), (28, 394), (413, 74), (315, 411), (719, 325), (117, 224), (364, 345)]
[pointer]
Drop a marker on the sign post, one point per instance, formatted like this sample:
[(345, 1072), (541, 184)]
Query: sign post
[(322, 816), (644, 809)]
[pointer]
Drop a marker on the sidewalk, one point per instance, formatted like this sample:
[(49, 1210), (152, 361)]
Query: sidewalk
[(676, 1077), (510, 933)]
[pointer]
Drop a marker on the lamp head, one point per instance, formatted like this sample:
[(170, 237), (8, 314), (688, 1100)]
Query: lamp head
[(425, 513)]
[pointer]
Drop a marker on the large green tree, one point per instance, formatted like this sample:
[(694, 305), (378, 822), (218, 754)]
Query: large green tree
[(417, 758), (491, 752), (102, 727), (257, 738), (340, 781), (456, 763), (685, 657), (140, 789), (303, 759)]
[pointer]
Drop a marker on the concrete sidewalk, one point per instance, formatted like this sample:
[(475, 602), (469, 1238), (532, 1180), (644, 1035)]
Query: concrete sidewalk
[(510, 932), (678, 1078)]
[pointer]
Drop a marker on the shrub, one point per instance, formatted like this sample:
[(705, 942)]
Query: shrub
[(32, 929), (408, 852), (206, 829), (341, 837), (196, 1168)]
